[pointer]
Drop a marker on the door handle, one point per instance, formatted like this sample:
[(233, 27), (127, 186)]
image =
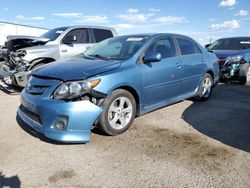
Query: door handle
[(64, 50), (178, 65)]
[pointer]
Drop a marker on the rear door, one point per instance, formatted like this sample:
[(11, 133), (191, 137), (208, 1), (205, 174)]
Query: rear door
[(193, 64), (78, 46), (162, 80)]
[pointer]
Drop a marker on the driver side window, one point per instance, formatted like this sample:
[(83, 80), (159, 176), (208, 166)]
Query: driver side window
[(80, 36), (165, 47)]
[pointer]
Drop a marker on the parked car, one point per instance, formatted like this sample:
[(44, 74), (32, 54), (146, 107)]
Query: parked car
[(234, 58), (113, 82), (26, 53)]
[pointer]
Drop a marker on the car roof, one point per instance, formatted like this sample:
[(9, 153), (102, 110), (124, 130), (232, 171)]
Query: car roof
[(242, 38), (153, 35), (86, 26)]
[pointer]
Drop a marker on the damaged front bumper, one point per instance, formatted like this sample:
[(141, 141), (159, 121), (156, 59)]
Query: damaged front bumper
[(57, 119), (12, 77)]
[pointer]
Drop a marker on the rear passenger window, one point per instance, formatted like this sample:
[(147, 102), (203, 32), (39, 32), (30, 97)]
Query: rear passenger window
[(102, 34), (165, 47), (187, 47)]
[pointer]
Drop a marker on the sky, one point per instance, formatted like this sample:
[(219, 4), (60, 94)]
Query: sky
[(203, 20)]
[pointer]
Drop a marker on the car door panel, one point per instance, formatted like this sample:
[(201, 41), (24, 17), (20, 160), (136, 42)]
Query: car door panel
[(193, 64), (193, 69), (76, 47), (162, 80)]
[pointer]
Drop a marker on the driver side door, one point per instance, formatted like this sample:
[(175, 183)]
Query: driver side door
[(162, 80)]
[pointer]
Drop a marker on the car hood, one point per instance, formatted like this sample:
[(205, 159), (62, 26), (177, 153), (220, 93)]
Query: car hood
[(14, 42), (15, 37), (75, 69), (223, 54)]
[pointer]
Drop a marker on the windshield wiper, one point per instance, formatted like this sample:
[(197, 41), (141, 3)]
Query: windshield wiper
[(88, 57), (100, 57)]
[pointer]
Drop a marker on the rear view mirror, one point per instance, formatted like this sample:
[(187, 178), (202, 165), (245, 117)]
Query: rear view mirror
[(69, 39), (152, 57)]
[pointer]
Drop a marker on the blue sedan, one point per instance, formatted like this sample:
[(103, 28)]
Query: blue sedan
[(113, 82)]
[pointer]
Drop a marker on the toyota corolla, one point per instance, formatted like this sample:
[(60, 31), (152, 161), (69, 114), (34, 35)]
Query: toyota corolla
[(115, 81)]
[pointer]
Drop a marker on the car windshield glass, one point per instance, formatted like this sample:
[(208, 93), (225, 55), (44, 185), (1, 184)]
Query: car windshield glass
[(54, 33), (118, 48), (231, 44)]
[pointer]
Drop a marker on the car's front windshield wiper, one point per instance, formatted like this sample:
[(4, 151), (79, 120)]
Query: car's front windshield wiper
[(88, 57), (100, 57)]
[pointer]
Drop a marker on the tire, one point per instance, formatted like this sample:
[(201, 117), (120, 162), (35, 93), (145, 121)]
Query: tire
[(244, 74), (117, 118), (206, 87)]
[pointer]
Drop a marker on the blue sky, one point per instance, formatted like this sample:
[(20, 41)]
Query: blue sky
[(200, 19)]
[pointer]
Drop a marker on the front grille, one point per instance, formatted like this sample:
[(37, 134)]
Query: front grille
[(39, 85), (36, 89), (31, 115)]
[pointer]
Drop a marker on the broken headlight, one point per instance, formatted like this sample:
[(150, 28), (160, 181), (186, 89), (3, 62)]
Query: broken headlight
[(71, 90), (233, 59)]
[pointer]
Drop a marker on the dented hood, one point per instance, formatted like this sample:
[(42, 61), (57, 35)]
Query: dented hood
[(14, 43), (25, 37), (75, 69)]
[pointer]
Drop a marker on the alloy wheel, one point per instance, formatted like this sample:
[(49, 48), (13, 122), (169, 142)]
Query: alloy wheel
[(206, 87), (120, 113)]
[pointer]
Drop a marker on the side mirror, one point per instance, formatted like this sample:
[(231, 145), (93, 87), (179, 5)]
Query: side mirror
[(207, 45), (69, 39), (152, 57)]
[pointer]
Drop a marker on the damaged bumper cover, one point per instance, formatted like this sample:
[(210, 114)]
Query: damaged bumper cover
[(14, 73), (60, 120), (45, 116)]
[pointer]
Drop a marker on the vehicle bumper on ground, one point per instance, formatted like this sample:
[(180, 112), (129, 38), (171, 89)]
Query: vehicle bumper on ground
[(42, 114)]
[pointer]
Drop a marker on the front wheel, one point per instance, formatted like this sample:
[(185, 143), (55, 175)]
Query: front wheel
[(205, 88), (119, 111)]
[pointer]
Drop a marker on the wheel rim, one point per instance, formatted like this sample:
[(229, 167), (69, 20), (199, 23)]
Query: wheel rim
[(120, 113), (248, 74), (206, 87)]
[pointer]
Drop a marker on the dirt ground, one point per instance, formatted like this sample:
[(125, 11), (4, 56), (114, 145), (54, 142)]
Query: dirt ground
[(188, 144)]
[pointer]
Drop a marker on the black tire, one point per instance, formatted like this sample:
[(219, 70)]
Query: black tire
[(243, 78), (201, 95), (104, 121)]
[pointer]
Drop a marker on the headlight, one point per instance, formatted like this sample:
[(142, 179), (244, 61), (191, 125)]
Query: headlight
[(72, 90), (237, 58)]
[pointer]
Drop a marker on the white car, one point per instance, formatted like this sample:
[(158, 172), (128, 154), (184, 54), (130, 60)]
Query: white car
[(26, 53)]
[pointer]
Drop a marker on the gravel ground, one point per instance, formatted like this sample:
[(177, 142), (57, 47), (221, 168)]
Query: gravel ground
[(188, 144)]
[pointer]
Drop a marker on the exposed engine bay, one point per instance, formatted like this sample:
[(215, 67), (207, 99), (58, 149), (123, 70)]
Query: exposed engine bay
[(15, 67)]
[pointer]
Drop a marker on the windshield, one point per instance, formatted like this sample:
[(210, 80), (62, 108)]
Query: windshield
[(54, 33), (231, 44), (118, 48)]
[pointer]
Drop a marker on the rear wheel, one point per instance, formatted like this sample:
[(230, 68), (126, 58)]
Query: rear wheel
[(118, 113), (205, 88), (244, 74)]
